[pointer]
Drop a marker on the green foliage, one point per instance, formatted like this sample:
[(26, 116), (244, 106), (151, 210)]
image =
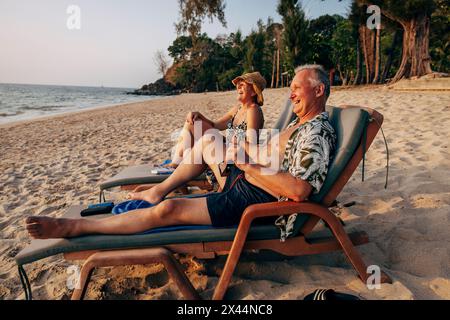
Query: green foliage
[(180, 48), (322, 30), (202, 63), (208, 64), (405, 9), (193, 12), (440, 38), (342, 47), (296, 38), (259, 51)]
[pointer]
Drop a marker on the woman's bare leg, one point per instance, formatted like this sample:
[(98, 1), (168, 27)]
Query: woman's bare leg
[(195, 163), (186, 141), (183, 211)]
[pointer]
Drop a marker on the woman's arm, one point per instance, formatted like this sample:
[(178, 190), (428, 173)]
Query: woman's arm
[(255, 122), (221, 124)]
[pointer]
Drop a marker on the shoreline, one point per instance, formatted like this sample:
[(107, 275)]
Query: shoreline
[(73, 112), (100, 108)]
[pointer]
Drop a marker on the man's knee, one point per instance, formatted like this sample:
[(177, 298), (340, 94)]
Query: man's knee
[(167, 210)]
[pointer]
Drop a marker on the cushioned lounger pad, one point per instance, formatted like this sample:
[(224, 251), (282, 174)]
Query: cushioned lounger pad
[(40, 249), (140, 174)]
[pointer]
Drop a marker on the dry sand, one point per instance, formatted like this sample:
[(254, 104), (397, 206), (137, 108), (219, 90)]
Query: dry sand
[(47, 165)]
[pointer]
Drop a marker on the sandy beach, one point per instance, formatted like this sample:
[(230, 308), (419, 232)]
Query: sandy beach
[(49, 164)]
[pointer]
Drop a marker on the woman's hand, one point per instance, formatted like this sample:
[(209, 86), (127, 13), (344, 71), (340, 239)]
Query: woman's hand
[(193, 116)]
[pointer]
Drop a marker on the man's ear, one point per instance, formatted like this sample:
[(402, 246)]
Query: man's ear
[(320, 90)]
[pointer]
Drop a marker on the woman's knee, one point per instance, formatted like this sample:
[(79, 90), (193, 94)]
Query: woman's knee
[(213, 148)]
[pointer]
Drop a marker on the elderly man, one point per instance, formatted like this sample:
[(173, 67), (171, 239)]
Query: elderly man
[(305, 149)]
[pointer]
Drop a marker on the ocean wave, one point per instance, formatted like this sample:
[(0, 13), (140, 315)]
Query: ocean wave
[(42, 108), (4, 114), (30, 101)]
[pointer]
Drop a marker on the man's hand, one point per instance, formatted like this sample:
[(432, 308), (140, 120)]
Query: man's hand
[(237, 154)]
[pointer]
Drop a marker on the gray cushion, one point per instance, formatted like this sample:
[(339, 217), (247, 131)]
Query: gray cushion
[(140, 174), (40, 249), (286, 116), (349, 126)]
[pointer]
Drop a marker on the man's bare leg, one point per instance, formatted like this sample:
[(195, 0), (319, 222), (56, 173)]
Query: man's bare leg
[(183, 211), (185, 172)]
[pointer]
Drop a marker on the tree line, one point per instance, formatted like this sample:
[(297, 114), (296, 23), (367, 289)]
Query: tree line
[(413, 40)]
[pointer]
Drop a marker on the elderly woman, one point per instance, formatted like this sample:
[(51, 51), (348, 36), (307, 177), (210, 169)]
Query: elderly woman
[(242, 122), (247, 115)]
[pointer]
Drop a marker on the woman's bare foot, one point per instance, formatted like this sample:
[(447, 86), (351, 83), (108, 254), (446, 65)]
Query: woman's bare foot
[(171, 165), (152, 195), (46, 227)]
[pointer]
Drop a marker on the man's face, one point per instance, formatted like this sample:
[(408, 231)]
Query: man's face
[(303, 94)]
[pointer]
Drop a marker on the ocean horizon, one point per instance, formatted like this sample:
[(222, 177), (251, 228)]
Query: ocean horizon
[(29, 101)]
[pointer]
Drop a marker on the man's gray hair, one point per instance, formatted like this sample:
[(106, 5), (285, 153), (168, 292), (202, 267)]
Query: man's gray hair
[(321, 76)]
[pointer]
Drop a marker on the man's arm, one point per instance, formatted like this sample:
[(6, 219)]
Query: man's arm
[(282, 183)]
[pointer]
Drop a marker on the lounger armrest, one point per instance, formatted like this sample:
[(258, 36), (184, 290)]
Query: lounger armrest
[(277, 209), (271, 209)]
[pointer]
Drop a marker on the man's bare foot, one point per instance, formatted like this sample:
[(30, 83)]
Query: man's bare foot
[(47, 228), (152, 195)]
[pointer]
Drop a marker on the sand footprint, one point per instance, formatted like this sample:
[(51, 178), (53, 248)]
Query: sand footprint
[(158, 279)]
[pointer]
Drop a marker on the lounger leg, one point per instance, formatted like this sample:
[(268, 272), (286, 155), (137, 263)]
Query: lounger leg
[(232, 260), (136, 257), (349, 249), (85, 278), (226, 275)]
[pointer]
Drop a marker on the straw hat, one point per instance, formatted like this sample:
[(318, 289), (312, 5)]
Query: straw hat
[(258, 82)]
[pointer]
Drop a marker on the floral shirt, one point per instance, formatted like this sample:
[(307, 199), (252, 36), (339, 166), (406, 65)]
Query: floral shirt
[(308, 153)]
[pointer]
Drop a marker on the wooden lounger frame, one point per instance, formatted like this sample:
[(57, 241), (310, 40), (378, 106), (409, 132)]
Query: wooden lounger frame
[(295, 246)]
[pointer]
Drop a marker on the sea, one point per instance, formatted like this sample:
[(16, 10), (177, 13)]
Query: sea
[(26, 101)]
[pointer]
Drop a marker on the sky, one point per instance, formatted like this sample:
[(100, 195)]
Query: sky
[(117, 39)]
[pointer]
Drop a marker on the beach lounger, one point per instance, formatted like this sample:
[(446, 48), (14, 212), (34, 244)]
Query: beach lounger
[(355, 127), (139, 177)]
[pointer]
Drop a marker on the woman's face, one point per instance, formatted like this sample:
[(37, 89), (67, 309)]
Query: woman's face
[(245, 92)]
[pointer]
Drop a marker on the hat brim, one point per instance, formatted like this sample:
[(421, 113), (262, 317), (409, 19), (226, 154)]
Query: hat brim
[(260, 97), (236, 80)]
